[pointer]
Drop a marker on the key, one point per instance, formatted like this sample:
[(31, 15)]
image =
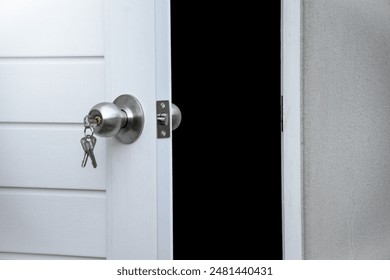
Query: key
[(85, 148), (85, 159), (92, 142), (88, 143)]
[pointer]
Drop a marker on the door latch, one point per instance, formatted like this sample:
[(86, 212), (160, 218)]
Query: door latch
[(164, 121)]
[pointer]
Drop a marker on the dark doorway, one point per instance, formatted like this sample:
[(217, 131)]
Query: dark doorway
[(227, 186)]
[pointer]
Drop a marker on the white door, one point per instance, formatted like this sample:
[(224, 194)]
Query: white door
[(57, 60)]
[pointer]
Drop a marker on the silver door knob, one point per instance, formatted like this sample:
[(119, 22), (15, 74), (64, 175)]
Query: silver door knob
[(124, 119), (176, 116)]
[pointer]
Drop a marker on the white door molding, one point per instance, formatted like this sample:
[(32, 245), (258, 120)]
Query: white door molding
[(292, 129)]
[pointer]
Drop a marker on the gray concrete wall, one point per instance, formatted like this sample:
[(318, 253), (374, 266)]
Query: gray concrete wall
[(346, 129)]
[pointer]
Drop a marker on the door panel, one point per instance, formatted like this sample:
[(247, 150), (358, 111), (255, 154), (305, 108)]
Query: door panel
[(40, 161), (51, 90), (52, 222), (51, 28)]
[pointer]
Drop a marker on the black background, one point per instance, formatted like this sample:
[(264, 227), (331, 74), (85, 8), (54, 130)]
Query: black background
[(226, 153)]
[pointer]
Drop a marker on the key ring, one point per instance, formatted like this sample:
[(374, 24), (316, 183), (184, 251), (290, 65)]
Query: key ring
[(85, 131), (86, 121)]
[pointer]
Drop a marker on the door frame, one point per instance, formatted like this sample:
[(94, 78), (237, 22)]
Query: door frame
[(292, 130)]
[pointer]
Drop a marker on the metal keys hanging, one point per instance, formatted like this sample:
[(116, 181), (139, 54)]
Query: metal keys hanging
[(88, 142)]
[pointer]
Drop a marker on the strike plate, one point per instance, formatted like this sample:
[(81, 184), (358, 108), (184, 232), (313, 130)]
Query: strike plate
[(163, 119)]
